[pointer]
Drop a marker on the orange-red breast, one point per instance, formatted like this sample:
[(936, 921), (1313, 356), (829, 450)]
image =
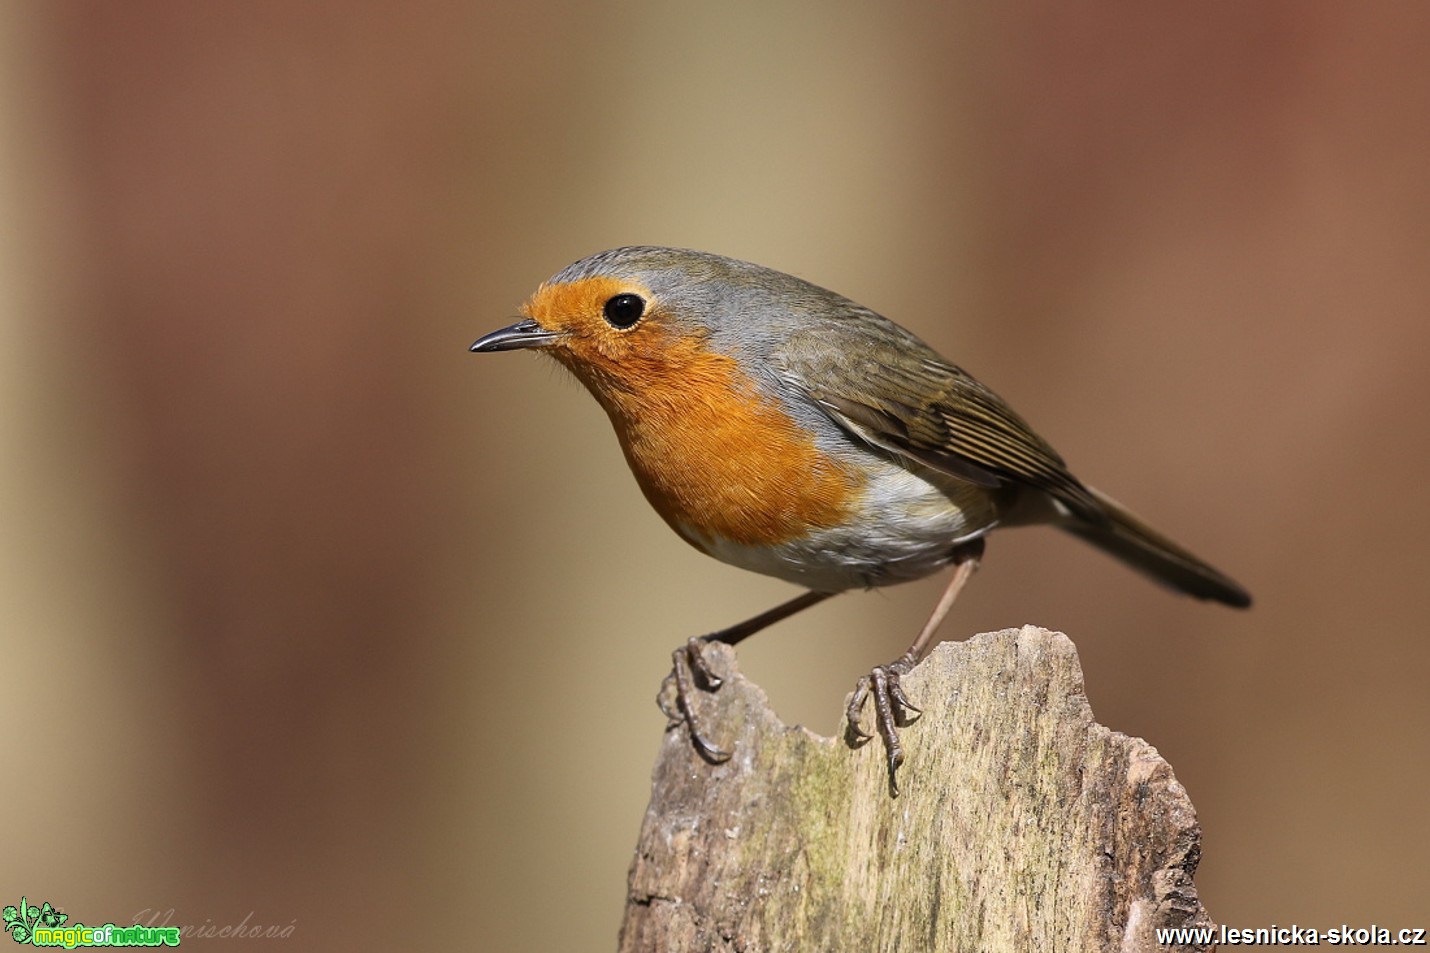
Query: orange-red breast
[(785, 429)]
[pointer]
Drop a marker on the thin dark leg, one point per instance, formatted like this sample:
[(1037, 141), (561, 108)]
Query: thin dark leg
[(690, 666), (892, 708)]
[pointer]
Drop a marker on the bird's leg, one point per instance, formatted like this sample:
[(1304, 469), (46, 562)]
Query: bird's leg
[(690, 669), (892, 708)]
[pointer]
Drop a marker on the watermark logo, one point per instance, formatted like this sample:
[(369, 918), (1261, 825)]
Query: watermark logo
[(45, 926), (21, 921)]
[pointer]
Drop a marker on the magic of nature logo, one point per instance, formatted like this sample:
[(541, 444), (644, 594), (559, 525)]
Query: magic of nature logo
[(44, 925)]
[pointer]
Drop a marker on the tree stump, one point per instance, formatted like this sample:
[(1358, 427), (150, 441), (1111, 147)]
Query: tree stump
[(1020, 823)]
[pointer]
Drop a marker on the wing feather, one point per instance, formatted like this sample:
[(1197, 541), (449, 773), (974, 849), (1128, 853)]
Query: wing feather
[(887, 387)]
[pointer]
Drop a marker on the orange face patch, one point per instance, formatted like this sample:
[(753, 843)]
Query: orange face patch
[(576, 310), (714, 457)]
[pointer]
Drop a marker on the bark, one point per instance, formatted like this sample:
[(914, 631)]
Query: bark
[(1020, 823)]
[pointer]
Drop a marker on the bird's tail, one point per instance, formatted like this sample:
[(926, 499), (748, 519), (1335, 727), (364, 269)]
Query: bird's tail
[(1144, 549)]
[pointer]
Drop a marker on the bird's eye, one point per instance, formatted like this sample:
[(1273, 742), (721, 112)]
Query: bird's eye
[(622, 311)]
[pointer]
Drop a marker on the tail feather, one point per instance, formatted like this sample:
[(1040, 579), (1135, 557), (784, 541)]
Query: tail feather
[(1144, 549)]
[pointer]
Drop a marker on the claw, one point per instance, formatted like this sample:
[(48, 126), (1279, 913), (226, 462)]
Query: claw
[(695, 655), (707, 750), (672, 714), (904, 707), (892, 711), (853, 714), (884, 720), (688, 661)]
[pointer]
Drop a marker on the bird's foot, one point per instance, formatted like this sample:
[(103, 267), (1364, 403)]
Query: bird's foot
[(892, 711), (691, 672)]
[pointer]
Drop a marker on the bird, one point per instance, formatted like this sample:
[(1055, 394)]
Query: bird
[(785, 429)]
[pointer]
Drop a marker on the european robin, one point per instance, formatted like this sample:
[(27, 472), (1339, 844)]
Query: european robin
[(785, 429)]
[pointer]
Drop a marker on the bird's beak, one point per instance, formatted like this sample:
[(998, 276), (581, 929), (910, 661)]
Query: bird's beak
[(525, 333)]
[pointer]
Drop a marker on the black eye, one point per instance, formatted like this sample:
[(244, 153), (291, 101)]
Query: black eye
[(622, 311)]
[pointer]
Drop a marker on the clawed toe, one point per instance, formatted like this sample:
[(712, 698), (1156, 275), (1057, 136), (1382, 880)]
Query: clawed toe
[(688, 667), (695, 657), (892, 711), (668, 702), (904, 710), (853, 713)]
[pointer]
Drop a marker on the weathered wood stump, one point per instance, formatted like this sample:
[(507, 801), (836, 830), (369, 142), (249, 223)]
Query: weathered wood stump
[(1020, 824)]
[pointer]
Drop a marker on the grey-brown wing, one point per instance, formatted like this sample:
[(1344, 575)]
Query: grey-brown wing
[(886, 386)]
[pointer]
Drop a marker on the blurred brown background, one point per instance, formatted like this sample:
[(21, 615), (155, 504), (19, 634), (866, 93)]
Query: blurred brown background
[(308, 616)]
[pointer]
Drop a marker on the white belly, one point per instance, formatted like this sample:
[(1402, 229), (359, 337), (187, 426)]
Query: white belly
[(906, 528)]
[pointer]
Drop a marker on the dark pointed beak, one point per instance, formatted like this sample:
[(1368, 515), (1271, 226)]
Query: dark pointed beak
[(525, 333)]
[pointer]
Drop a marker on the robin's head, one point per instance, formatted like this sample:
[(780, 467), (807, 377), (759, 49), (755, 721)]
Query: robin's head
[(623, 318)]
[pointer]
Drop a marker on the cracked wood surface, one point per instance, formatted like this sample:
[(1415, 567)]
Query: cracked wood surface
[(1021, 823)]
